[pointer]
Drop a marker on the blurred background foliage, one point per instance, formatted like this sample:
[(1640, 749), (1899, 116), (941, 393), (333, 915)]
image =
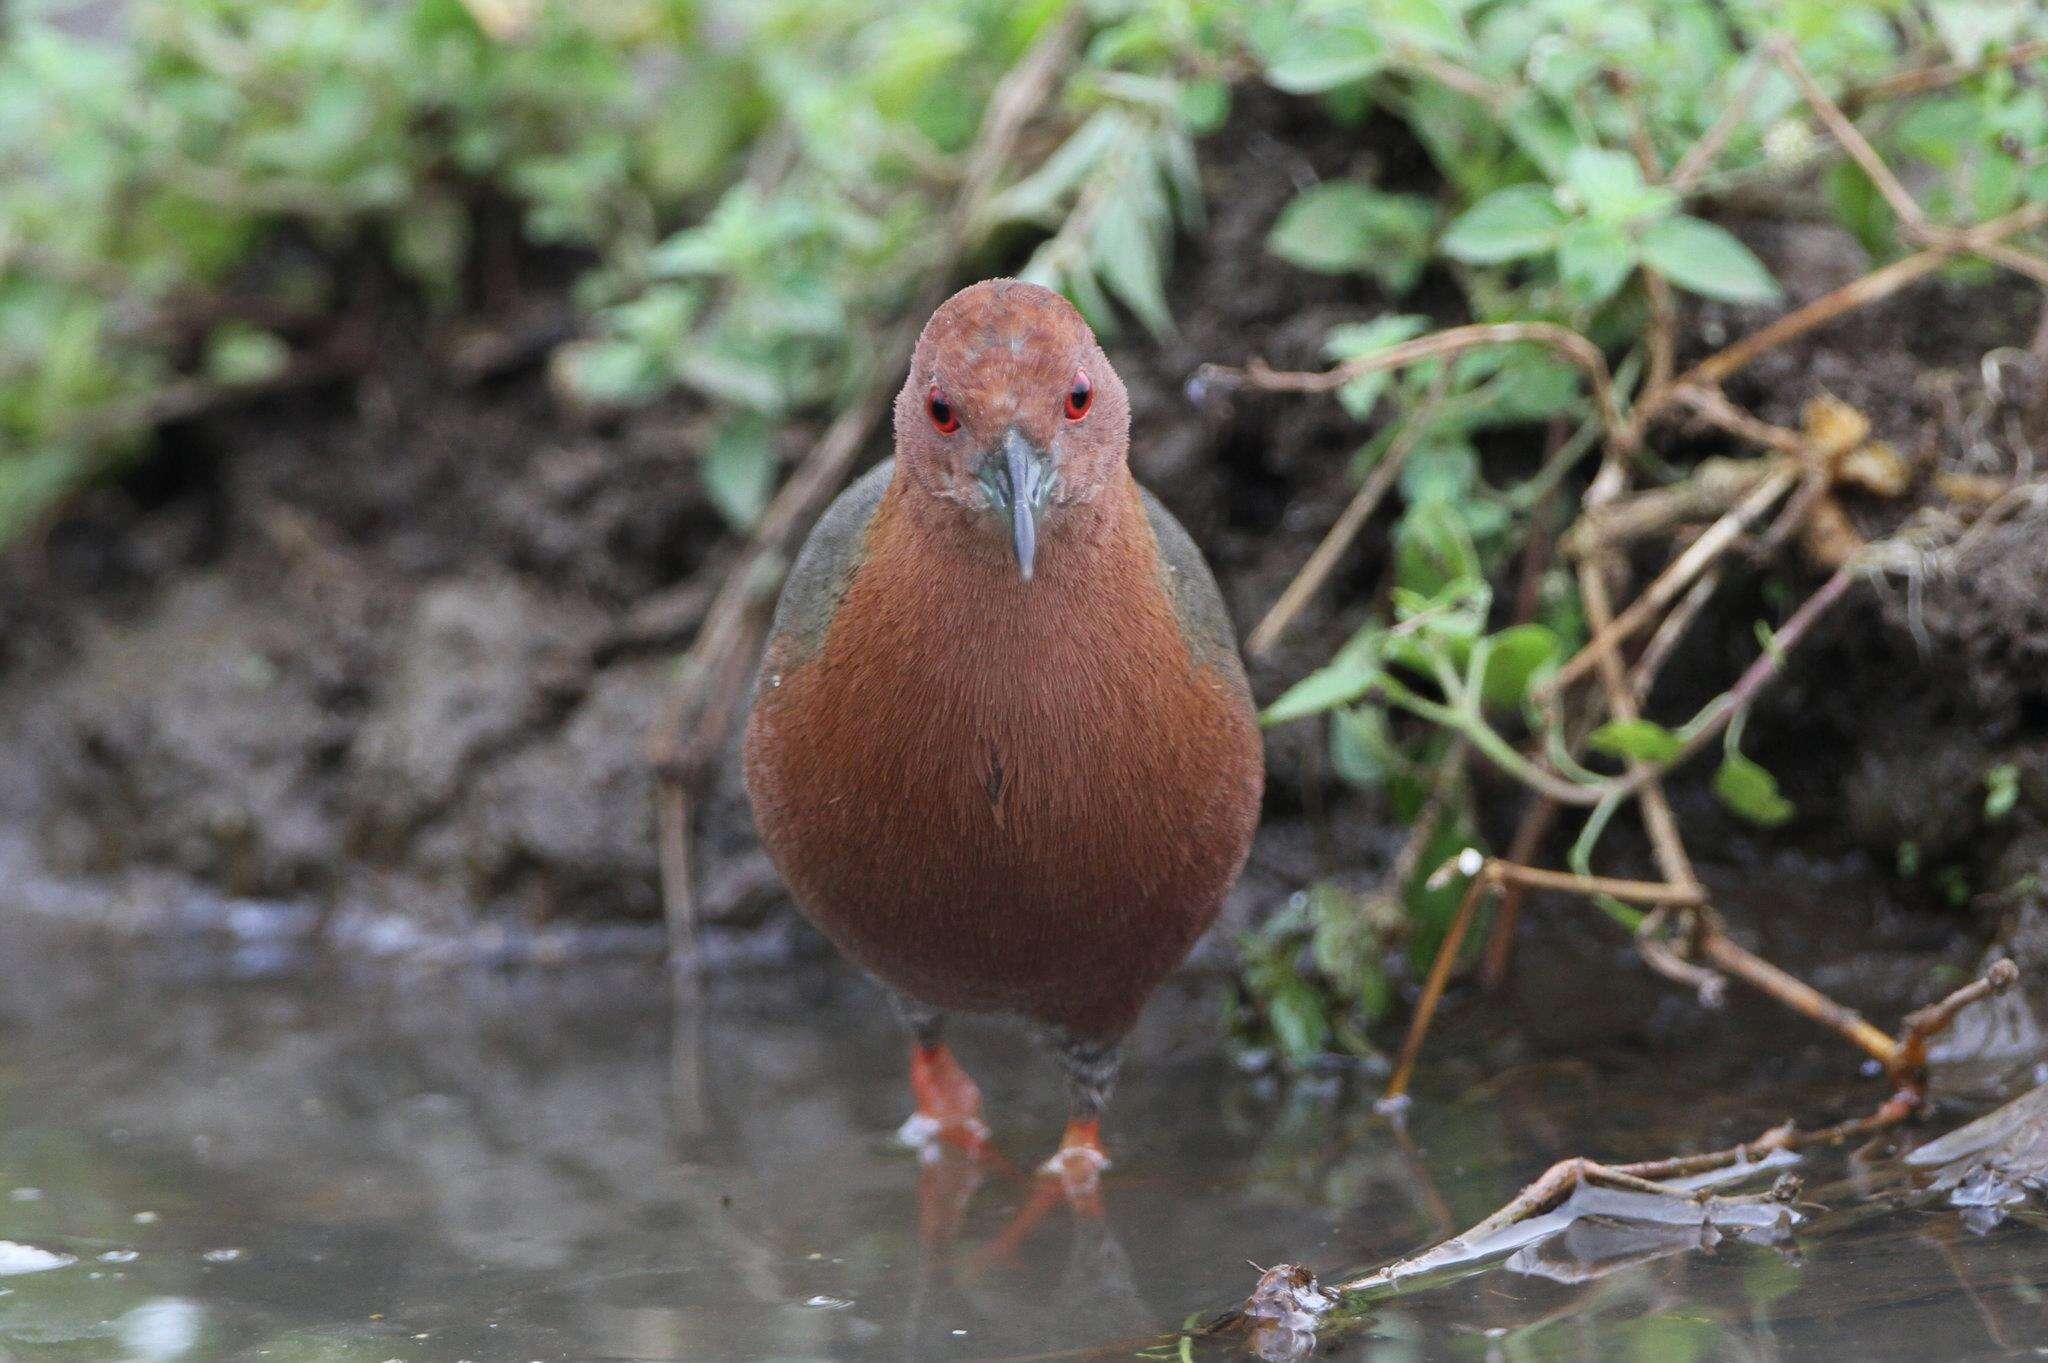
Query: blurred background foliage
[(748, 193)]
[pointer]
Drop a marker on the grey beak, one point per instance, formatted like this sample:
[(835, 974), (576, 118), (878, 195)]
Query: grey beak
[(1019, 479)]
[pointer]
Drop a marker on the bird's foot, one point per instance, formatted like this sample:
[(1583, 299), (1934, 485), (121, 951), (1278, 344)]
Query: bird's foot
[(932, 1136), (1079, 1162), (948, 1105)]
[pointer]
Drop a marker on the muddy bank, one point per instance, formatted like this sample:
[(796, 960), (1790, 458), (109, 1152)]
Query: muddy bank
[(389, 648)]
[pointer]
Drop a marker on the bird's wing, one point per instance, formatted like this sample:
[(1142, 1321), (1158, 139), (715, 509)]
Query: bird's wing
[(817, 583), (1204, 622)]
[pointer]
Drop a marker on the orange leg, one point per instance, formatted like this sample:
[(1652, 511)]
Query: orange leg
[(1079, 1162), (948, 1103)]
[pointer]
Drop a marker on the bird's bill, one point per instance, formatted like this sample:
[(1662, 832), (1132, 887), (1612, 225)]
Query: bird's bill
[(1019, 478)]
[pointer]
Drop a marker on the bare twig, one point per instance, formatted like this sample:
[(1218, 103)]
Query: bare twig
[(1703, 153), (1725, 954), (1628, 891), (2013, 258), (1859, 293), (1487, 875), (1537, 819), (1452, 341), (1662, 826), (1356, 513), (1941, 74), (1657, 652), (1673, 581), (1786, 54), (1930, 1022), (1433, 989), (1712, 406)]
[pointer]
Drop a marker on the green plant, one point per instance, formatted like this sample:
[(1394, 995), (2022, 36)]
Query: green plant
[(182, 198), (753, 190), (1581, 148)]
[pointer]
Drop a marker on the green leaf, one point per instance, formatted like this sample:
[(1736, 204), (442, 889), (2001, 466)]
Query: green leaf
[(1508, 224), (1609, 185), (1593, 259), (1341, 681), (1516, 657), (1970, 28), (1204, 105), (1441, 469), (1354, 339), (1708, 260), (1304, 58), (739, 468), (1343, 225), (1361, 751), (1433, 554), (609, 370), (1125, 250), (2001, 790), (1300, 1024), (1430, 24), (1860, 207), (1751, 791), (1639, 739), (238, 354)]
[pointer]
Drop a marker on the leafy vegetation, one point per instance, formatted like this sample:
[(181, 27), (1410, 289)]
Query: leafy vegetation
[(1568, 136)]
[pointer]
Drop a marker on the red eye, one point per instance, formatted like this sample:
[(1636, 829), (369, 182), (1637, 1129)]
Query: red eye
[(1079, 396), (943, 416)]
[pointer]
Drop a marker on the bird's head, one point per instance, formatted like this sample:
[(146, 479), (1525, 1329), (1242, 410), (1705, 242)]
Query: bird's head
[(1011, 413)]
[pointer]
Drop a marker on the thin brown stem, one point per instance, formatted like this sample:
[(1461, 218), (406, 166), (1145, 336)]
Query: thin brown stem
[(1727, 955), (1759, 673), (1433, 989), (1941, 75), (1673, 581), (1929, 1022), (1852, 140), (1858, 293), (1323, 561), (2013, 258), (1628, 891), (1700, 157), (1658, 820), (1537, 819), (1452, 341), (1674, 628), (1712, 406)]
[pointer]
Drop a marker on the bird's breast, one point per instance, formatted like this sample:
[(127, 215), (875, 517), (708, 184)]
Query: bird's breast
[(978, 780)]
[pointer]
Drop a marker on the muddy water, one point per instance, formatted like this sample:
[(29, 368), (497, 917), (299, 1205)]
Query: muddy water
[(220, 1156)]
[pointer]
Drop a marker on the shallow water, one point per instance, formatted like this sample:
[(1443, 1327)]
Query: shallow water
[(259, 1157)]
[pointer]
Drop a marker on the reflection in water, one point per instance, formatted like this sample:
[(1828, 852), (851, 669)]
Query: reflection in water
[(313, 1165)]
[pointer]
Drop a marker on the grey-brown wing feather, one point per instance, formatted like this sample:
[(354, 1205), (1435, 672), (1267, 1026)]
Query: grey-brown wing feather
[(1198, 605), (817, 581)]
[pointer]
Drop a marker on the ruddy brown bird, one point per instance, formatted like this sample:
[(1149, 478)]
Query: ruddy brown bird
[(1002, 748)]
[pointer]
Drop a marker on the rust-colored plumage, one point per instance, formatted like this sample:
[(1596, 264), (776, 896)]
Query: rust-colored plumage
[(1002, 748)]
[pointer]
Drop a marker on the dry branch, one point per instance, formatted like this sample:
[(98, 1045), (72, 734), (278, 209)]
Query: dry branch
[(1564, 341), (1356, 513)]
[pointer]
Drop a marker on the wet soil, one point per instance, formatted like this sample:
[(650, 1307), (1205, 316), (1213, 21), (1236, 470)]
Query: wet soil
[(389, 648)]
